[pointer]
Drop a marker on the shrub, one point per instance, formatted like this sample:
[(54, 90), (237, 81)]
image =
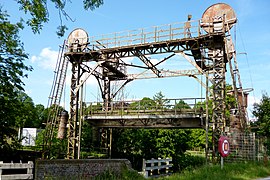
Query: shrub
[(187, 161), (126, 174)]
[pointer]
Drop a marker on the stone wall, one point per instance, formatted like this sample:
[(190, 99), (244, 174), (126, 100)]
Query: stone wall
[(77, 168)]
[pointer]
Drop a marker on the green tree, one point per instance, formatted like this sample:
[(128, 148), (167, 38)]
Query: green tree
[(262, 124), (136, 144), (146, 104), (41, 116), (262, 112), (12, 71), (181, 104), (39, 13), (197, 139), (160, 100), (86, 137), (13, 68), (27, 114)]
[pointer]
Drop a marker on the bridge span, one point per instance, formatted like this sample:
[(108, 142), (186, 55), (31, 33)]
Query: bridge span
[(205, 43), (138, 114)]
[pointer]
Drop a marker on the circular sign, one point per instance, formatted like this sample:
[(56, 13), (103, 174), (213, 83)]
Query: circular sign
[(77, 40), (218, 12), (223, 146)]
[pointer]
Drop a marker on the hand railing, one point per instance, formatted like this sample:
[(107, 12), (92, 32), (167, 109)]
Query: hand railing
[(150, 35), (147, 106)]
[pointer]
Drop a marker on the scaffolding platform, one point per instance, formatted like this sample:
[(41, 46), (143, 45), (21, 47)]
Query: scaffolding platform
[(169, 38)]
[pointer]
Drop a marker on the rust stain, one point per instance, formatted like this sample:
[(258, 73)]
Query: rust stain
[(218, 10)]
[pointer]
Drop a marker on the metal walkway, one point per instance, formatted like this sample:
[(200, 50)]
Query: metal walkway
[(138, 114)]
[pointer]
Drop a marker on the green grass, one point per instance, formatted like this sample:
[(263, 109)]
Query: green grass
[(232, 171), (126, 174)]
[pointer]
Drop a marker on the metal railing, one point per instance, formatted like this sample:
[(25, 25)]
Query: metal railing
[(146, 106), (150, 35), (147, 35), (155, 34)]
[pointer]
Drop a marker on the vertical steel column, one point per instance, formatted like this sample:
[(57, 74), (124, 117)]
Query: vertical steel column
[(219, 84), (73, 137), (106, 93), (207, 116)]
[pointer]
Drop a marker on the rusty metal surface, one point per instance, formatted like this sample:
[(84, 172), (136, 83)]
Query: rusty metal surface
[(148, 121), (218, 12), (77, 39)]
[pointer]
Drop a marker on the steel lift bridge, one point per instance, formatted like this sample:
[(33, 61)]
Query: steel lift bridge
[(205, 43)]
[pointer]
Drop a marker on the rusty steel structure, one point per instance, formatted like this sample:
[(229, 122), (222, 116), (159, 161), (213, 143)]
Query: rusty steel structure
[(206, 44)]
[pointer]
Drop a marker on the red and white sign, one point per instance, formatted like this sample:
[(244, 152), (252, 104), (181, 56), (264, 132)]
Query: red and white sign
[(223, 146)]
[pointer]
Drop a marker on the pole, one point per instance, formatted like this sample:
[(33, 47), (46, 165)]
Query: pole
[(110, 145), (222, 162), (207, 118)]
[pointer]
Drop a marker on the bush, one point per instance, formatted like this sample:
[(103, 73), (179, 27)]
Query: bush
[(126, 174), (187, 161)]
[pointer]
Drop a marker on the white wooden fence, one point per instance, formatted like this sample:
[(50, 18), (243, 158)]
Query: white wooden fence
[(27, 166), (156, 167)]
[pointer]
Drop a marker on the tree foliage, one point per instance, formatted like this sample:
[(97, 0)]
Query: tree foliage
[(160, 100), (39, 12), (261, 126), (182, 105), (262, 113), (136, 144), (12, 70), (146, 103)]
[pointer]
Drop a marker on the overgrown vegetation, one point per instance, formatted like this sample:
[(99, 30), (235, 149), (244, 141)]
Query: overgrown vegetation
[(234, 171), (262, 124), (126, 174)]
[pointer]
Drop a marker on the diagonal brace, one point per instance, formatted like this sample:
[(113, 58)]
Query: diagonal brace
[(148, 63)]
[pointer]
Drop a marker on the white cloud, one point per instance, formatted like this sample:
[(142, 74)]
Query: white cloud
[(46, 59)]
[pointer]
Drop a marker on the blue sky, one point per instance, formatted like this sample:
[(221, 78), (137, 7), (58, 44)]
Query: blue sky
[(252, 34)]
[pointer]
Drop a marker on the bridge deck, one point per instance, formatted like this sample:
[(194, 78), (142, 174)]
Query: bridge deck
[(154, 40), (138, 114)]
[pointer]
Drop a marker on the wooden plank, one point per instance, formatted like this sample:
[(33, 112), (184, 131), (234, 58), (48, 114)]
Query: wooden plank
[(156, 164), (15, 166), (157, 167), (28, 166), (157, 160), (16, 176)]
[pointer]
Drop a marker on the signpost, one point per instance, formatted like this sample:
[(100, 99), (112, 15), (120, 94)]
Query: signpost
[(223, 148)]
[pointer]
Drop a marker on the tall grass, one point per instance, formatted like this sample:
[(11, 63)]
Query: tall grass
[(232, 171), (126, 174)]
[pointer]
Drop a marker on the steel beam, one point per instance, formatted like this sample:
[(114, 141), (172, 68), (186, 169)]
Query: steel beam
[(217, 54)]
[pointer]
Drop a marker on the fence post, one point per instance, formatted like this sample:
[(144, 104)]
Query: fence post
[(159, 164), (152, 164), (254, 147), (145, 173), (167, 165), (30, 167), (1, 162)]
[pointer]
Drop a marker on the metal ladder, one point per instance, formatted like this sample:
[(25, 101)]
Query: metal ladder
[(234, 70), (55, 99)]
